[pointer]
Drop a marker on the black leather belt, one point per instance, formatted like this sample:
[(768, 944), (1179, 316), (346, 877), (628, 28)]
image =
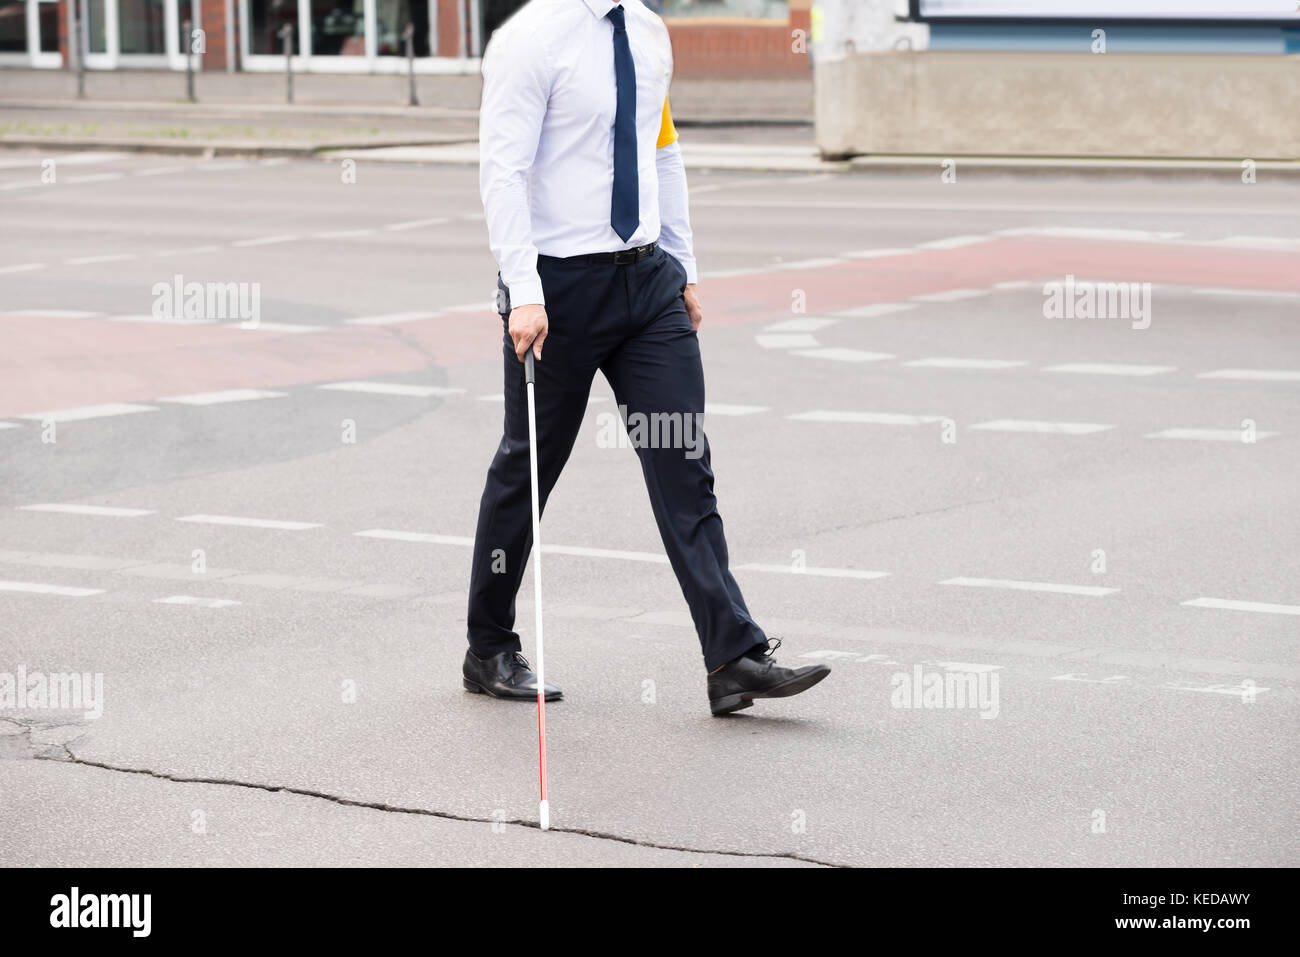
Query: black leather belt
[(623, 257)]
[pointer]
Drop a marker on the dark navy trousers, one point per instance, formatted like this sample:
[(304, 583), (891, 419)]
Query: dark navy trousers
[(629, 322)]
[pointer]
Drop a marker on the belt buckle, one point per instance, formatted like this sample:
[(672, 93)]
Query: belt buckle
[(625, 257)]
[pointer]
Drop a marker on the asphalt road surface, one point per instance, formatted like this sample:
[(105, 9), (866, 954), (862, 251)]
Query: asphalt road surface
[(259, 537)]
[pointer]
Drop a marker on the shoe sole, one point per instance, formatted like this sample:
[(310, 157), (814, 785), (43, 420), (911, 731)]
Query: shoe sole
[(473, 687), (745, 699)]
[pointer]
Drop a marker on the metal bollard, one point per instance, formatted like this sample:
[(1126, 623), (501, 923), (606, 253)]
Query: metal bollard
[(409, 33), (286, 33), (187, 29)]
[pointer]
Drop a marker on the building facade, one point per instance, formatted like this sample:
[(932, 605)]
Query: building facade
[(742, 38)]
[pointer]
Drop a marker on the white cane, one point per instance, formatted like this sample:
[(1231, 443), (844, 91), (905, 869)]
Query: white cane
[(543, 808)]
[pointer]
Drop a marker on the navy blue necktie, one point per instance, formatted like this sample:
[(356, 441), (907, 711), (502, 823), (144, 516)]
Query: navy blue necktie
[(625, 210)]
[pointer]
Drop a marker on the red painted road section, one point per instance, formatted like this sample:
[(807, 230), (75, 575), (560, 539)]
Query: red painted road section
[(49, 364)]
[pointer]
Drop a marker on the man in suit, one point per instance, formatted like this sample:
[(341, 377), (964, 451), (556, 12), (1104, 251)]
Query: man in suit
[(584, 191)]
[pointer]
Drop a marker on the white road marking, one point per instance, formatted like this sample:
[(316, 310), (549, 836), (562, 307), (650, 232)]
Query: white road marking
[(1054, 428), (795, 340), (1281, 243), (163, 320), (58, 314), (1229, 604), (1080, 232), (1258, 375), (10, 425), (1245, 293), (1108, 368), (217, 398), (343, 234), (279, 327), (37, 588), (1093, 591), (1207, 435), (391, 388), (91, 260), (807, 324), (426, 537), (840, 354), (1016, 284), (876, 253), (89, 412), (71, 509), (193, 250), (954, 242), (249, 522), (488, 306), (265, 240), (876, 309), (946, 362), (221, 167), (814, 572), (866, 418), (391, 318), (804, 264), (722, 408), (416, 224), (193, 600), (21, 267), (950, 295)]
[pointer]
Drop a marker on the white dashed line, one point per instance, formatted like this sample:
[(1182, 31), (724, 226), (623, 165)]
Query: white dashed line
[(193, 600), (10, 425), (391, 388), (417, 224), (1256, 375), (36, 588), (162, 320), (71, 509), (21, 267), (426, 537), (264, 241), (89, 412), (1208, 435), (805, 264), (839, 354), (93, 178), (343, 234), (391, 318), (721, 408), (91, 260), (1053, 428), (954, 242), (1108, 368), (191, 251), (249, 522), (278, 327), (218, 398), (1229, 604), (160, 170), (876, 253), (1013, 284), (1093, 591), (865, 418), (950, 295), (814, 572), (1244, 293), (945, 362), (59, 314)]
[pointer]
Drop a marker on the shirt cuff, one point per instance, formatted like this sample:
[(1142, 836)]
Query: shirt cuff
[(692, 275), (526, 292)]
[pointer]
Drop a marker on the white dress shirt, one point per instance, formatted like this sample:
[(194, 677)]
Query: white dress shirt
[(546, 139)]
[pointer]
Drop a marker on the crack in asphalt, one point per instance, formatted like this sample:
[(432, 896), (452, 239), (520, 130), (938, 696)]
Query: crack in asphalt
[(396, 809)]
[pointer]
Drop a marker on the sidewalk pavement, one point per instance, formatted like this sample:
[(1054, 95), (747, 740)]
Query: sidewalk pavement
[(755, 125)]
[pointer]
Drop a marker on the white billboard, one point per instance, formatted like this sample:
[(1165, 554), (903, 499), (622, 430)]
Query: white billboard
[(1114, 9)]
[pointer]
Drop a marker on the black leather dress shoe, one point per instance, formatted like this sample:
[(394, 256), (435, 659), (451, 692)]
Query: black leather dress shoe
[(757, 675), (506, 675)]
